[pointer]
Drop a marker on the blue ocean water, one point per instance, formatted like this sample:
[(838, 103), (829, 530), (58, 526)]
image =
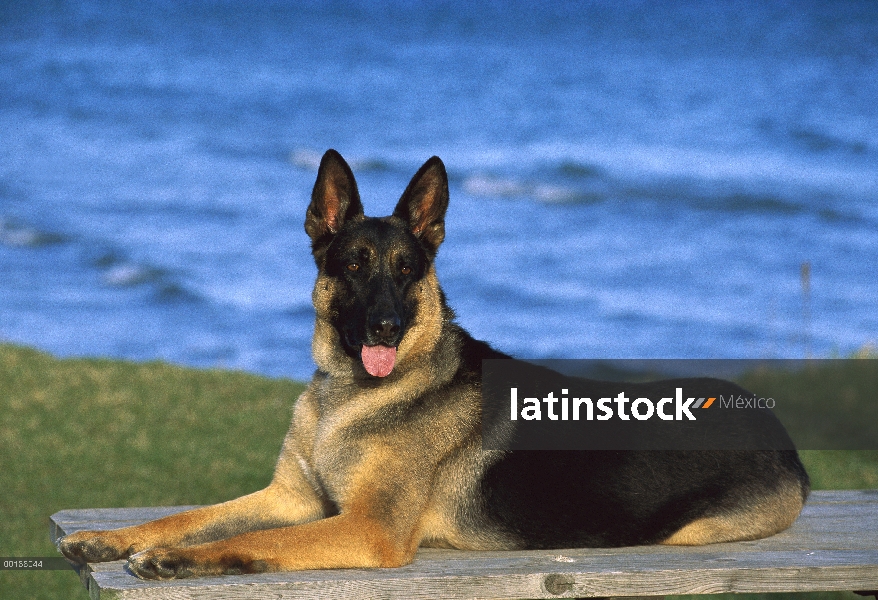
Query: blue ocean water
[(631, 179)]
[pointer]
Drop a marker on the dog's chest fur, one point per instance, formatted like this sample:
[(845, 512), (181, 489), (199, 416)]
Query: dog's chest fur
[(343, 427)]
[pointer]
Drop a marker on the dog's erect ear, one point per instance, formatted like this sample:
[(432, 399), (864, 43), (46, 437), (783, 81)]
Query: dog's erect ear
[(334, 201), (423, 204)]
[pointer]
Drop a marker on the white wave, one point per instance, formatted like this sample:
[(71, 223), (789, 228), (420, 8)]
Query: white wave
[(125, 275), (485, 185), (306, 159), (555, 193), (636, 161), (498, 187), (24, 237)]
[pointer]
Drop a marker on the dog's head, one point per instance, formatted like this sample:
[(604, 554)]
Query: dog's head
[(376, 286)]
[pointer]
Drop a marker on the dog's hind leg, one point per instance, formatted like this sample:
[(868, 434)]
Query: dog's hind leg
[(769, 515)]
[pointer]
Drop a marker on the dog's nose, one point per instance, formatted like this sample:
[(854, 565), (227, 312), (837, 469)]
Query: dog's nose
[(386, 328)]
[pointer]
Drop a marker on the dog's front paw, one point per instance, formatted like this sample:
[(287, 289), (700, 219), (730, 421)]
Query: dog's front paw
[(178, 563), (94, 546), (163, 563)]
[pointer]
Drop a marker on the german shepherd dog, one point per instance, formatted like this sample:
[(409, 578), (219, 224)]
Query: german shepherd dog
[(384, 453)]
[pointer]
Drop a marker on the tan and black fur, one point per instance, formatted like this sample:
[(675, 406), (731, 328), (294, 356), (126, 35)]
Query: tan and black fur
[(374, 466)]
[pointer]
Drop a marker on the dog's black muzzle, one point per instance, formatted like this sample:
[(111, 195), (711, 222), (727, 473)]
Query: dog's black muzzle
[(382, 321)]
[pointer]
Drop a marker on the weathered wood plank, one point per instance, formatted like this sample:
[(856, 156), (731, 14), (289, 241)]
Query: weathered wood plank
[(833, 546)]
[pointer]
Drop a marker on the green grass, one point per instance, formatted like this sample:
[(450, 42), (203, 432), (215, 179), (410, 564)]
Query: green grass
[(101, 433)]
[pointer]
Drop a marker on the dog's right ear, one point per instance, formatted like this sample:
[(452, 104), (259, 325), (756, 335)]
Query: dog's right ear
[(334, 201)]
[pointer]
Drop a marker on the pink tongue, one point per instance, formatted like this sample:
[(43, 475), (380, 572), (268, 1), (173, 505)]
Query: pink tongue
[(379, 360)]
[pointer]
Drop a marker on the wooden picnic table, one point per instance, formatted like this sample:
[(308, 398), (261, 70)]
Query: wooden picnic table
[(832, 546)]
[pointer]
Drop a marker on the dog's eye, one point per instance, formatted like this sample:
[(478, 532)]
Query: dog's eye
[(406, 270), (353, 267)]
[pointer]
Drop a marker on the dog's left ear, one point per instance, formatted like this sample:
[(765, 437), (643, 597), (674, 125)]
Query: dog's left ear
[(423, 204)]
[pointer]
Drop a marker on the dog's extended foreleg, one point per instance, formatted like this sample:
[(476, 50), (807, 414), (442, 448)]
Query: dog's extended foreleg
[(377, 526), (290, 499), (271, 507), (343, 541)]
